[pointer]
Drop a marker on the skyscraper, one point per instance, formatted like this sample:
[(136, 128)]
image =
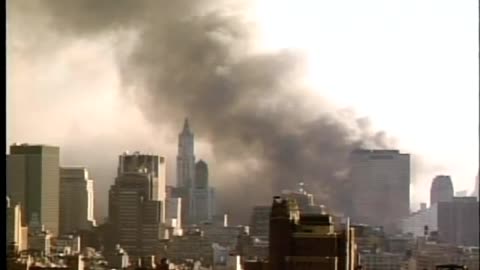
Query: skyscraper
[(135, 217), (154, 166), (185, 157), (458, 221), (381, 187), (203, 196), (76, 200), (33, 181), (186, 172), (137, 203), (201, 174), (441, 190)]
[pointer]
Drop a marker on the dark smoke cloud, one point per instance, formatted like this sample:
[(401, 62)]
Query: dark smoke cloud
[(192, 59)]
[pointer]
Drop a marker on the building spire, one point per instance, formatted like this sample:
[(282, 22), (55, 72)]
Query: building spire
[(186, 126)]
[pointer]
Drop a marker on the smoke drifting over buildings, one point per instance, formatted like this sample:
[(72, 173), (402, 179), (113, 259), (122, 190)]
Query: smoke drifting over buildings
[(266, 129)]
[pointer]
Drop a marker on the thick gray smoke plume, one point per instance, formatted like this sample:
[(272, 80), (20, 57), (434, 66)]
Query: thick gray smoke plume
[(197, 59)]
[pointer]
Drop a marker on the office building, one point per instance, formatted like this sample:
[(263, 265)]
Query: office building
[(428, 254), (455, 222), (203, 205), (192, 246), (304, 199), (16, 238), (416, 222), (458, 221), (381, 261), (76, 200), (369, 239), (203, 196), (381, 187), (154, 167), (174, 215), (260, 222), (308, 241), (33, 181), (135, 218), (40, 240), (68, 244), (225, 236), (441, 190)]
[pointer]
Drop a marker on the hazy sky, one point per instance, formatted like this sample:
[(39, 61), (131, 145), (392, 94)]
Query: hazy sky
[(411, 66)]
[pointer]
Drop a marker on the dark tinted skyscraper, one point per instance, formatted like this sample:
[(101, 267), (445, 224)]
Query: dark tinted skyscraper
[(201, 174), (203, 196), (33, 181), (441, 190)]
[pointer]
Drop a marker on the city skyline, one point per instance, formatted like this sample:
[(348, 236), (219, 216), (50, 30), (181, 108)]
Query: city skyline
[(105, 128), (242, 134), (187, 130)]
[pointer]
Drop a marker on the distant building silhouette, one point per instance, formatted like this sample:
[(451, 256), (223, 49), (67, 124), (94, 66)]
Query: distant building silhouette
[(381, 187), (76, 200), (441, 190), (33, 181)]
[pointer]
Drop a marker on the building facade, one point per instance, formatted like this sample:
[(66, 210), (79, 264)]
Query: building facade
[(455, 222), (308, 241), (174, 215), (458, 221), (33, 181), (382, 261), (260, 222), (16, 238), (203, 196), (153, 166), (135, 218), (381, 183), (76, 200)]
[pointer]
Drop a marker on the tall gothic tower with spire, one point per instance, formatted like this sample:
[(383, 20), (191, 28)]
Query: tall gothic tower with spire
[(186, 171), (185, 158)]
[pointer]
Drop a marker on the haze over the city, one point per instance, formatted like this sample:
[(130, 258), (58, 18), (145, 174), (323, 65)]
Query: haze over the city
[(400, 74)]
